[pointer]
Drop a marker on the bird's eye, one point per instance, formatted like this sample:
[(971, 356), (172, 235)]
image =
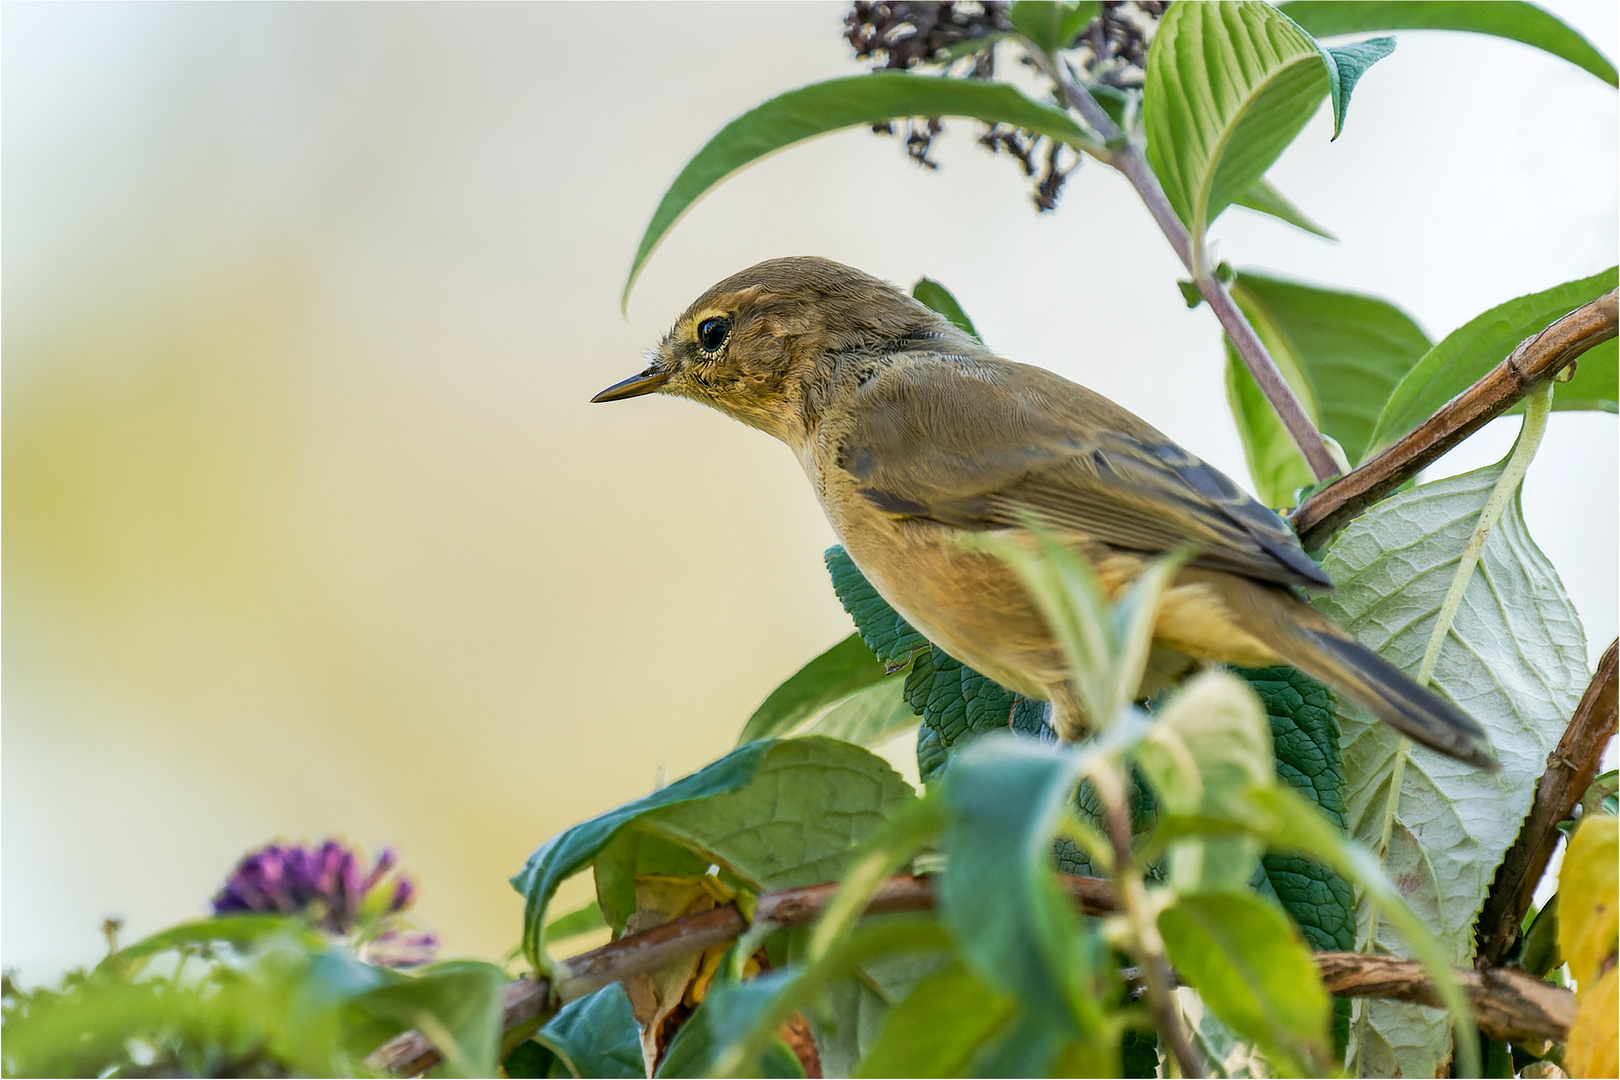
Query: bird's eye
[(712, 334)]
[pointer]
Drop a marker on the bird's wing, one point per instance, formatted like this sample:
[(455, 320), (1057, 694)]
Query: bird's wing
[(982, 445)]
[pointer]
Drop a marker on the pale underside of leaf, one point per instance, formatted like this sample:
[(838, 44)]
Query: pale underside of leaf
[(1515, 660)]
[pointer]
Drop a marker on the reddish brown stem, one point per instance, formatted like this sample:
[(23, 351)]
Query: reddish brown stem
[(1537, 359), (1571, 768)]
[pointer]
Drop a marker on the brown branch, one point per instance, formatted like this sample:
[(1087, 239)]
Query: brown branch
[(1508, 1004), (1536, 359), (1571, 768)]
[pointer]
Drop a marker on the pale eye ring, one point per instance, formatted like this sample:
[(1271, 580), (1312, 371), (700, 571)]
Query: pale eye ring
[(712, 333)]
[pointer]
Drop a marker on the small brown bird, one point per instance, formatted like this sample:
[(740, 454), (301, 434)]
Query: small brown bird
[(913, 434)]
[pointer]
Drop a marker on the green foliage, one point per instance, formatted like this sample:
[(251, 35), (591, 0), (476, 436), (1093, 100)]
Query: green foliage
[(843, 670), (1051, 26), (1470, 351), (1253, 970), (842, 103), (1502, 18), (1305, 737), (1346, 65), (1343, 353), (248, 995), (596, 1035), (1229, 85)]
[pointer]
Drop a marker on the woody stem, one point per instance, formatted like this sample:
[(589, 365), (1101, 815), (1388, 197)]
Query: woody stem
[(1123, 155)]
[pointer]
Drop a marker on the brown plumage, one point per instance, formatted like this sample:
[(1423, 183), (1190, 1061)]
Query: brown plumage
[(913, 433)]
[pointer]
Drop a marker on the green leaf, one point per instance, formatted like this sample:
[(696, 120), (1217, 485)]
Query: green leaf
[(834, 675), (1472, 350), (1287, 824), (1051, 26), (1005, 798), (1209, 745), (241, 930), (457, 1004), (939, 1027), (727, 1011), (743, 1018), (1229, 84), (1305, 738), (867, 717), (841, 103), (1254, 972), (957, 704), (1346, 65), (596, 1035), (1514, 660), (941, 300), (885, 632), (809, 804), (1512, 20), (852, 1011), (571, 851), (1342, 352), (1266, 199), (579, 921)]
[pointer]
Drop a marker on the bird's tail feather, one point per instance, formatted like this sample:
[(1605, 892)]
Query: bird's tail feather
[(1393, 696)]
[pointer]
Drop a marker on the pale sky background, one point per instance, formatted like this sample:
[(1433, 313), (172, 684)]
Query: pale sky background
[(309, 528)]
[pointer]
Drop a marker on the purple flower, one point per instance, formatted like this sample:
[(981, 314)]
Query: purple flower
[(326, 883)]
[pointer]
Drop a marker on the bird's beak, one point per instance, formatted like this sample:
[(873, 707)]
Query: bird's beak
[(636, 385)]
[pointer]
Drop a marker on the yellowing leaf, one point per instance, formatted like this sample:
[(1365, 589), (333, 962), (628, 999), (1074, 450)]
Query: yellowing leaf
[(1591, 1050), (1587, 885)]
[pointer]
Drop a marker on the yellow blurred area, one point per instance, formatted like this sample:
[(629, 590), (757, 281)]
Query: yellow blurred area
[(309, 528)]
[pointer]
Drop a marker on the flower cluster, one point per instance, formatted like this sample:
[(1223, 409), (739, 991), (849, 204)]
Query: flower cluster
[(331, 886)]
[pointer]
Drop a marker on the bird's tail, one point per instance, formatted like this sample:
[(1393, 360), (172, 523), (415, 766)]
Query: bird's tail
[(1420, 714)]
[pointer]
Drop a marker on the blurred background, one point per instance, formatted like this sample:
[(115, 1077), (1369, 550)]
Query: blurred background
[(309, 528)]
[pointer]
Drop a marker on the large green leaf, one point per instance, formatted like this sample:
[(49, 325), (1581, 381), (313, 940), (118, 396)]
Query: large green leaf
[(1342, 352), (867, 717), (1255, 972), (1470, 351), (806, 808), (596, 1035), (1305, 738), (1005, 798), (841, 103), (834, 675), (1229, 84), (571, 851), (939, 1027), (1501, 18), (1514, 660)]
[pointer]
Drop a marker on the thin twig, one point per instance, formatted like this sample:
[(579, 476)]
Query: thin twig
[(1537, 358), (1571, 767), (1154, 966), (1125, 157), (1508, 1004)]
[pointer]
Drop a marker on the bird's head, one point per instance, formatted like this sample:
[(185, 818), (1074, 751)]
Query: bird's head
[(759, 345)]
